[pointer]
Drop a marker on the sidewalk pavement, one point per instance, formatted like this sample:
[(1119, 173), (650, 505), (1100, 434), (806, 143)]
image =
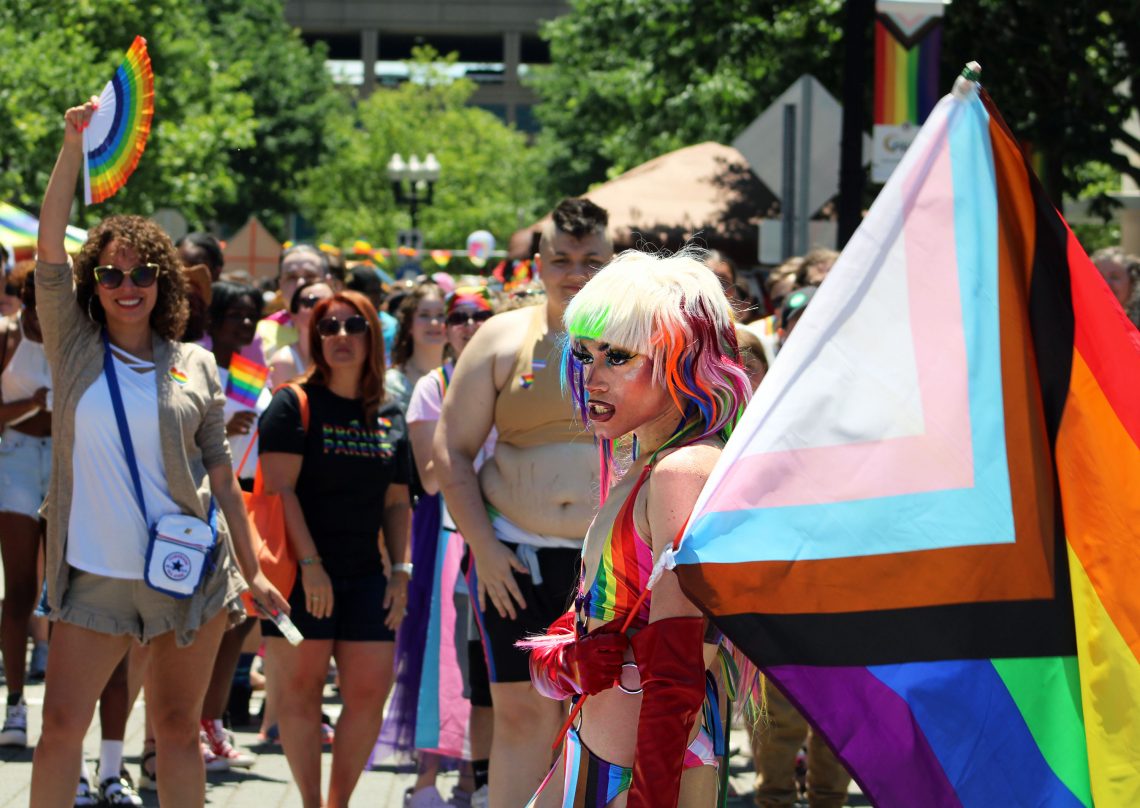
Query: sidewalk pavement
[(269, 784)]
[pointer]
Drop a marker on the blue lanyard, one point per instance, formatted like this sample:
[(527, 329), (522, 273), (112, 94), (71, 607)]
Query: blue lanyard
[(125, 436)]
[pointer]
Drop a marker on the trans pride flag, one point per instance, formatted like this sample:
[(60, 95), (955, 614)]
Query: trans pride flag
[(926, 528)]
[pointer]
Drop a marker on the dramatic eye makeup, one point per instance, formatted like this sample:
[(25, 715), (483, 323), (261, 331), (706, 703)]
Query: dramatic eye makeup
[(616, 357)]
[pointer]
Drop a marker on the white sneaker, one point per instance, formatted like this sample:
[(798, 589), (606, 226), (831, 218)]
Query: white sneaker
[(85, 795), (118, 791), (480, 799), (15, 730)]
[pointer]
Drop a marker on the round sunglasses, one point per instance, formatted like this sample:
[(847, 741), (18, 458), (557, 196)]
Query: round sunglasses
[(331, 326), (468, 317), (111, 277)]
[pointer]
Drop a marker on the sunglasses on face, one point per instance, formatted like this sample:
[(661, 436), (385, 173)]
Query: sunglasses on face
[(11, 290), (331, 326), (468, 317), (309, 301), (142, 276)]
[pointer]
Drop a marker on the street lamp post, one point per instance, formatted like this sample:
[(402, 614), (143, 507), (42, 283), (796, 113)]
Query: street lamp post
[(413, 182)]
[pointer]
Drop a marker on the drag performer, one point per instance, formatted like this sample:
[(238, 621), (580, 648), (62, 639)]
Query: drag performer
[(652, 362)]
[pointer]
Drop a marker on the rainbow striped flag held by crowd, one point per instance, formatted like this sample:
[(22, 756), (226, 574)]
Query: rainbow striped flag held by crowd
[(247, 378), (926, 528)]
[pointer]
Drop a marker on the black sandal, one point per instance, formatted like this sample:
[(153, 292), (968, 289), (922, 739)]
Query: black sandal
[(148, 781)]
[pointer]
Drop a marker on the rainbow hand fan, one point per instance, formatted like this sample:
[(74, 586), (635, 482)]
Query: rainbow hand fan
[(115, 138)]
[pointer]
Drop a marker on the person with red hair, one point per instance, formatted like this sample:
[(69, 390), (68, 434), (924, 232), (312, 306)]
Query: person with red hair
[(343, 479)]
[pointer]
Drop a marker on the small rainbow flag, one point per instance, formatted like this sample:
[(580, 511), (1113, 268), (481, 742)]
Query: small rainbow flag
[(246, 381), (526, 380), (116, 137)]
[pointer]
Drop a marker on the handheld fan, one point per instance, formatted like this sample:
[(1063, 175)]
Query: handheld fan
[(115, 138)]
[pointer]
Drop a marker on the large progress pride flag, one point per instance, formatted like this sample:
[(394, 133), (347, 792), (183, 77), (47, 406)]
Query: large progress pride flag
[(926, 529)]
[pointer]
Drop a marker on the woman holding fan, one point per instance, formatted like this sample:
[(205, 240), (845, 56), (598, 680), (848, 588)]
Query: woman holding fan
[(111, 326)]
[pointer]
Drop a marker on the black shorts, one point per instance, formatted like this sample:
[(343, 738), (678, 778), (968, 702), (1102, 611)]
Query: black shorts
[(545, 603), (358, 611)]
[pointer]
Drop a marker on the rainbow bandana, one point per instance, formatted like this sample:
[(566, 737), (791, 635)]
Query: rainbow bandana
[(477, 296), (246, 381)]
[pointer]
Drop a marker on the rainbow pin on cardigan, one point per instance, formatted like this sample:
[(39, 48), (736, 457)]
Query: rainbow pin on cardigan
[(115, 138)]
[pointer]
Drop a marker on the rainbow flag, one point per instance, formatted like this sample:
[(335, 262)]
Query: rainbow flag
[(926, 528), (906, 74), (115, 139), (246, 381)]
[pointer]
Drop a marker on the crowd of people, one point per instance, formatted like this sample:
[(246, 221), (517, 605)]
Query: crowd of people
[(476, 484)]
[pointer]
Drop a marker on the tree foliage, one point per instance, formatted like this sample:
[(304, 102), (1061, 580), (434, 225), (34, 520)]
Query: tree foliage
[(632, 79), (488, 175), (1059, 78), (233, 95)]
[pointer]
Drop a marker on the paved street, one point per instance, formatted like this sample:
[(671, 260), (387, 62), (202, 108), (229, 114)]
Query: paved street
[(268, 784)]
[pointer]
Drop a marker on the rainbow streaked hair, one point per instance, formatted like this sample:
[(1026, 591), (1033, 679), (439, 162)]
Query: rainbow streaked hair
[(673, 310)]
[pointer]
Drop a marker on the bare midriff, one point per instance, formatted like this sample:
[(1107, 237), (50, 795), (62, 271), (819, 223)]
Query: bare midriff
[(549, 489)]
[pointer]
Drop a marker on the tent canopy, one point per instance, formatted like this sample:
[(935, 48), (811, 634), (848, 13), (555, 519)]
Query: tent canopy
[(18, 230), (706, 191)]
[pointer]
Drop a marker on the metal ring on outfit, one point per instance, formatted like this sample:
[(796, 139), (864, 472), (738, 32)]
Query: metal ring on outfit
[(625, 689)]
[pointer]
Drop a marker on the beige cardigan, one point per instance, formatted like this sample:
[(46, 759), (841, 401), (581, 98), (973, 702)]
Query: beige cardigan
[(191, 427)]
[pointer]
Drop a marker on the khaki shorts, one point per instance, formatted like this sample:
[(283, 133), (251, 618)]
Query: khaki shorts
[(125, 606)]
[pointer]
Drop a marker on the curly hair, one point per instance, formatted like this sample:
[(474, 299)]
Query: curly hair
[(403, 347), (171, 310), (372, 376)]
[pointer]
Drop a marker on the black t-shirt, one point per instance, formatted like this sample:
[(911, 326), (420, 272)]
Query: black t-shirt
[(345, 471)]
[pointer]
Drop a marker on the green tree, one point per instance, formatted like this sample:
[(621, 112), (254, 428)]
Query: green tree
[(488, 175), (227, 118), (632, 79), (1059, 78), (293, 97)]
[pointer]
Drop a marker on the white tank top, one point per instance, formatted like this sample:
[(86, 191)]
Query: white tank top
[(27, 370)]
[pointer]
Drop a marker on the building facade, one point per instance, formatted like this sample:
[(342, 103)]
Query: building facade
[(497, 38)]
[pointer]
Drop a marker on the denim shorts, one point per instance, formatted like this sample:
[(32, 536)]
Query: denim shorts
[(25, 469)]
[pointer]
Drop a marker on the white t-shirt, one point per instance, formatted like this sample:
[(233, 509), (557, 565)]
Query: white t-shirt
[(239, 443), (106, 532)]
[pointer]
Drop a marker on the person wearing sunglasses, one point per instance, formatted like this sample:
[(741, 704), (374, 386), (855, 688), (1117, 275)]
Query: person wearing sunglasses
[(420, 339), (291, 361), (343, 482), (123, 306), (437, 692)]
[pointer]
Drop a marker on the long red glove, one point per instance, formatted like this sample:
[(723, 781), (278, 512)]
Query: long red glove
[(670, 657), (561, 665)]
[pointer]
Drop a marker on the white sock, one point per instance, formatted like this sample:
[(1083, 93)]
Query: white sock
[(218, 728), (110, 759)]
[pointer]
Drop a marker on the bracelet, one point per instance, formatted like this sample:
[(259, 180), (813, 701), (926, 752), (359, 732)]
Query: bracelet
[(407, 568), (309, 561)]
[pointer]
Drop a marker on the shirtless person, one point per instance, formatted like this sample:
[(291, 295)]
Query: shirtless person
[(525, 514)]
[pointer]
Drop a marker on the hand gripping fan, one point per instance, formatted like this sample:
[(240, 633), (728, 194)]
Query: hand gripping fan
[(115, 138)]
